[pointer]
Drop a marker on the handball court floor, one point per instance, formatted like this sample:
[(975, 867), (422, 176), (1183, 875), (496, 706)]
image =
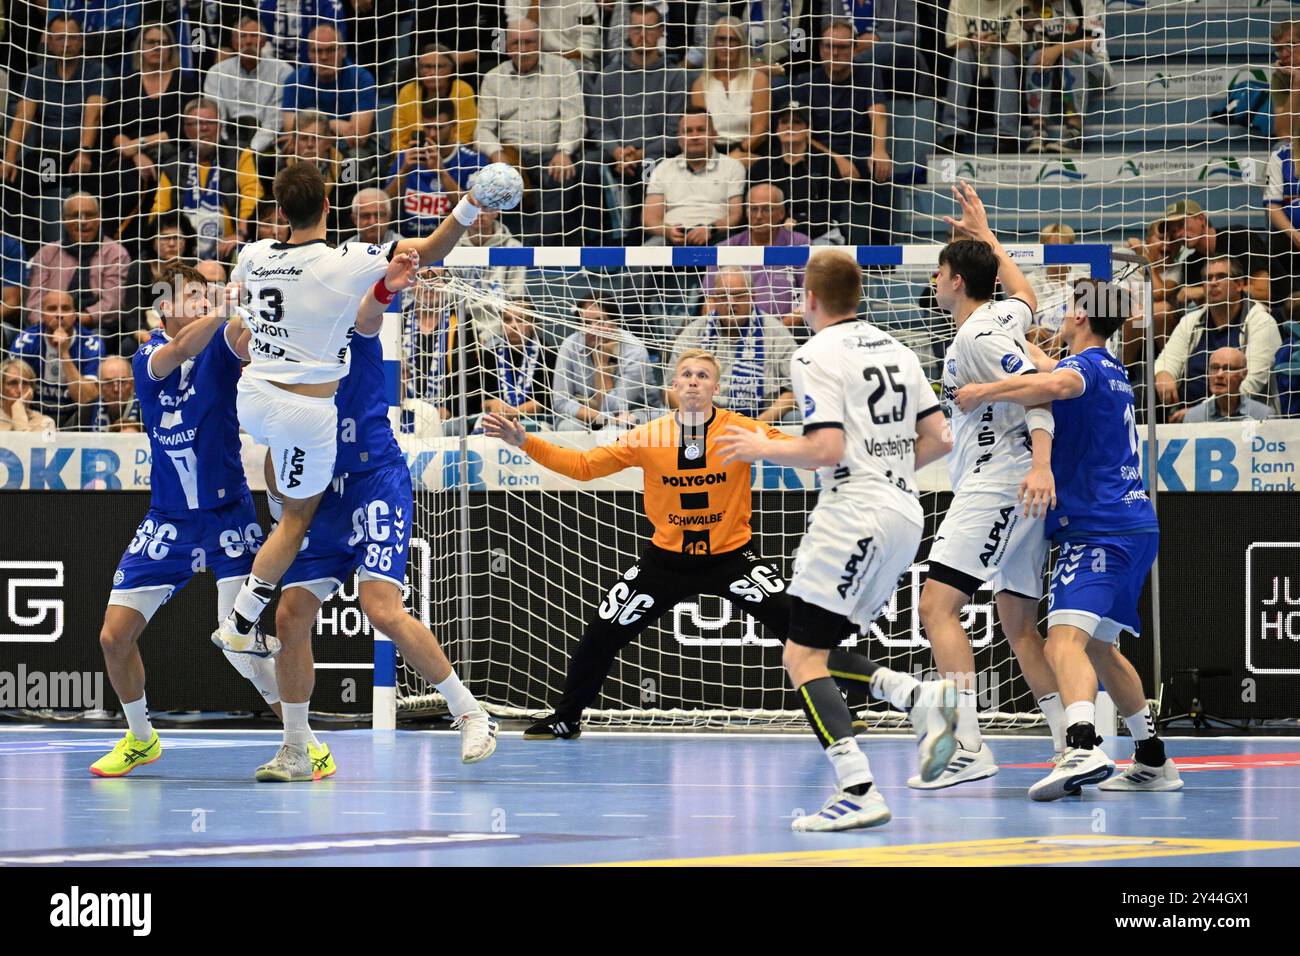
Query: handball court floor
[(404, 799)]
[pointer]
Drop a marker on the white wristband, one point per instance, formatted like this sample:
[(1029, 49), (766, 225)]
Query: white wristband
[(1040, 419), (465, 212)]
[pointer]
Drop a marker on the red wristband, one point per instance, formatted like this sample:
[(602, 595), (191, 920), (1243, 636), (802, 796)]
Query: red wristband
[(381, 293)]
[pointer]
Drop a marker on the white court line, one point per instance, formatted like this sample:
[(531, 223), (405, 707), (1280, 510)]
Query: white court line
[(994, 818), (1162, 818), (1254, 818), (253, 849), (195, 809), (713, 816), (279, 811), (362, 813), (445, 813), (536, 814), (8, 809), (625, 816), (109, 809)]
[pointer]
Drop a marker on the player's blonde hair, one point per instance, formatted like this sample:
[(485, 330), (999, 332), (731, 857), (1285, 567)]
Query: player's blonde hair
[(835, 278), (698, 355)]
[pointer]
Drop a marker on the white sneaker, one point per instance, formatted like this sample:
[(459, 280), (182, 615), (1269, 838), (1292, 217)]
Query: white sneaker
[(254, 642), (964, 767), (1077, 768), (934, 718), (1139, 776), (478, 736), (845, 811)]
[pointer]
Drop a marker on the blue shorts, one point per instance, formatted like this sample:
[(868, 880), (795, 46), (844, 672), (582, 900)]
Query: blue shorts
[(363, 524), (1097, 582), (169, 549)]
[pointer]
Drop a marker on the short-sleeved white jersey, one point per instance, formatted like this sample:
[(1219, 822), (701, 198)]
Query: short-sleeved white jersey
[(991, 449), (854, 376), (301, 305)]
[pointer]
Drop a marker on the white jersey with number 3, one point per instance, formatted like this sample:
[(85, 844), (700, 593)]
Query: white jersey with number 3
[(301, 305), (991, 450), (854, 376)]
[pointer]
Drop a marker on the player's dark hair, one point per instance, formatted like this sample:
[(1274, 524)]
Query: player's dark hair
[(300, 192), (976, 263), (1106, 305), (645, 10), (607, 306)]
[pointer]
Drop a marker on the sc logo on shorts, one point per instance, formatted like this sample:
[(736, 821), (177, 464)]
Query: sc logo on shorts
[(31, 618)]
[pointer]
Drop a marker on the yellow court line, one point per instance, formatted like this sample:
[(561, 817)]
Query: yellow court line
[(1014, 851)]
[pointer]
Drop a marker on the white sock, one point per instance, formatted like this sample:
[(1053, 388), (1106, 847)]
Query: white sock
[(296, 731), (1081, 712), (968, 722), (1055, 714), (137, 719), (850, 763), (894, 687), (1140, 726), (459, 700)]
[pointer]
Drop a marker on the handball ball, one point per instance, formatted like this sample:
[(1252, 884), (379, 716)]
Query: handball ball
[(498, 186)]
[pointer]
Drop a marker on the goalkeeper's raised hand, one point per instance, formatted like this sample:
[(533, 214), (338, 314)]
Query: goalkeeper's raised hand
[(507, 429)]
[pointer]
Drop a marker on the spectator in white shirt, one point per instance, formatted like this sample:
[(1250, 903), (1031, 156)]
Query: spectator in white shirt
[(248, 88), (696, 198), (531, 115)]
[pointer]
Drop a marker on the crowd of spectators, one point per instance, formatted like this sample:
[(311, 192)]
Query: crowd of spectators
[(134, 135)]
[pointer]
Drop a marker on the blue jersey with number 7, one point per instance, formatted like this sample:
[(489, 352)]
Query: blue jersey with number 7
[(192, 425), (1095, 455)]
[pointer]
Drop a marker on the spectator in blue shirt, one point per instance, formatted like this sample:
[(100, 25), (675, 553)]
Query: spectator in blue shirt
[(106, 23), (430, 176), (330, 85), (13, 277), (54, 134), (289, 24), (65, 357), (849, 117)]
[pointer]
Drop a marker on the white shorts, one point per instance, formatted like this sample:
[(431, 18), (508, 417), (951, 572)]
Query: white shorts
[(985, 537), (852, 556), (300, 430)]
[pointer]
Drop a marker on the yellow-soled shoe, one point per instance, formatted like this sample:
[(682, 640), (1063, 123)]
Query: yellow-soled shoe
[(322, 761), (127, 755)]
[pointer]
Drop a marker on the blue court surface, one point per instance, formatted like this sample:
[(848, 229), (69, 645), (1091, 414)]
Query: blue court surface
[(404, 799)]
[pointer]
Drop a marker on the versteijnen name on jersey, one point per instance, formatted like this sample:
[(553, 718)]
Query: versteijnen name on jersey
[(891, 447)]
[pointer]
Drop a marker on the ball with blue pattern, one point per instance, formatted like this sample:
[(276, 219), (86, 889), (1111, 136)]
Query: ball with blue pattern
[(498, 186)]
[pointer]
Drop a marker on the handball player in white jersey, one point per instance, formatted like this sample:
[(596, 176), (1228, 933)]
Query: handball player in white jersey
[(870, 419), (302, 297), (1002, 484)]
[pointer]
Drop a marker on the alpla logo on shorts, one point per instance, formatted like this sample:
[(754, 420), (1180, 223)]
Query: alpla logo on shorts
[(695, 481), (995, 535), (1011, 362), (296, 466), (851, 568)]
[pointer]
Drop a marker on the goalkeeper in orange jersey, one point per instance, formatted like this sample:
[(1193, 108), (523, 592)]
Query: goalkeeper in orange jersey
[(700, 509)]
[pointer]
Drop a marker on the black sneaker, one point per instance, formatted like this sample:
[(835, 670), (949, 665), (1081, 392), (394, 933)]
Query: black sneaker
[(554, 727)]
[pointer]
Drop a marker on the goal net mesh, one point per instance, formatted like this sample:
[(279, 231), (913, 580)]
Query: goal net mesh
[(524, 558)]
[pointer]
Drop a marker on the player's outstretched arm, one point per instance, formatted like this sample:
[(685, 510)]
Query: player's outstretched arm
[(816, 449), (933, 439), (497, 186), (580, 465), (1038, 488), (192, 339), (974, 222), (1027, 390), (402, 271)]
